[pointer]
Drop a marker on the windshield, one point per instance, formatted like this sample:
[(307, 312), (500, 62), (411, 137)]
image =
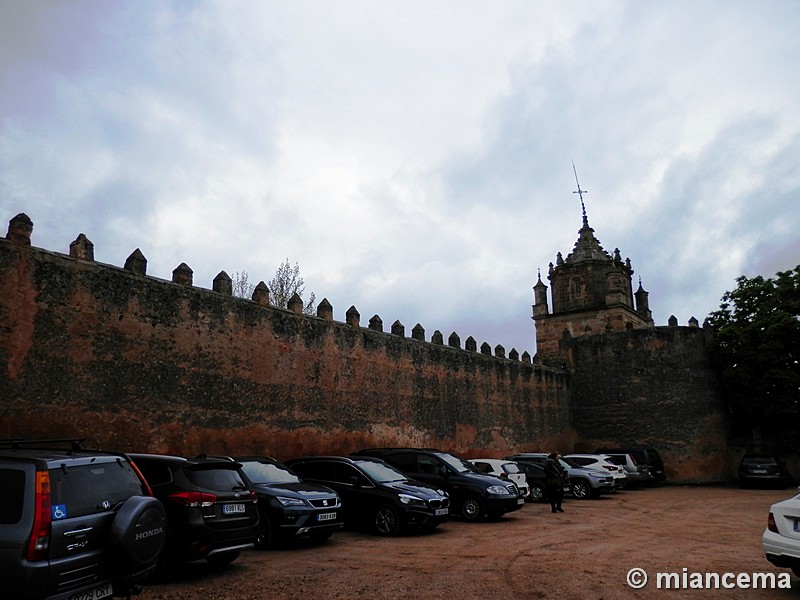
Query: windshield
[(460, 465), (268, 473), (381, 472)]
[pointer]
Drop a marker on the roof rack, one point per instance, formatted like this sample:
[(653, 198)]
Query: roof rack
[(75, 444)]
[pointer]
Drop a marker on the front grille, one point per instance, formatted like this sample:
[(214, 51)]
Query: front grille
[(323, 502), (512, 488), (443, 503)]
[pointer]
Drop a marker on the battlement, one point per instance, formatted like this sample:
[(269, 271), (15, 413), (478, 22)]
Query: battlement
[(20, 232)]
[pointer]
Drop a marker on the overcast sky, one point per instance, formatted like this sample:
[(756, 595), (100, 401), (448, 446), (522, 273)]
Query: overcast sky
[(415, 158)]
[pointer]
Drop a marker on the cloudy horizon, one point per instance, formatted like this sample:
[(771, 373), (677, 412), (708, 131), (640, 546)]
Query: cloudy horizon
[(415, 159)]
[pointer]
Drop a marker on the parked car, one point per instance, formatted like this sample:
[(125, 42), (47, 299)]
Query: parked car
[(74, 523), (505, 469), (473, 494), (211, 507), (288, 506), (600, 462), (638, 475), (535, 478), (764, 470), (781, 538), (644, 456), (584, 483), (376, 494)]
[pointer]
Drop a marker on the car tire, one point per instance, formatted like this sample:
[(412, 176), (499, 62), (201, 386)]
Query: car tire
[(537, 493), (471, 508), (139, 531), (222, 559), (386, 520), (265, 538), (581, 489)]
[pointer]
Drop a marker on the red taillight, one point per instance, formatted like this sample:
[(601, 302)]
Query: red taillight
[(143, 480), (195, 499), (42, 518), (254, 496), (771, 524)]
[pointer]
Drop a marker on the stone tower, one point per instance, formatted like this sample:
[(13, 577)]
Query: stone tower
[(591, 293)]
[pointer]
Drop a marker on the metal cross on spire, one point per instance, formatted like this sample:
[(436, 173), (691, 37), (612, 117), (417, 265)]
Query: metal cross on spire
[(580, 193)]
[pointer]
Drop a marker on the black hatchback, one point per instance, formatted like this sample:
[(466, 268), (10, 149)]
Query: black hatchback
[(288, 506), (376, 494), (211, 507)]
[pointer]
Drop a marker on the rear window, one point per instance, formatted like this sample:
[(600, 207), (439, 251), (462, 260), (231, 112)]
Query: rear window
[(220, 479), (759, 460), (87, 489), (12, 495)]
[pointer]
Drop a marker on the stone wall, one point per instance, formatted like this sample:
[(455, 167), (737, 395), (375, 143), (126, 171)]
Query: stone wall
[(132, 362), (655, 388)]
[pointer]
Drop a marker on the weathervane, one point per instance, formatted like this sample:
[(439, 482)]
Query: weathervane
[(580, 193)]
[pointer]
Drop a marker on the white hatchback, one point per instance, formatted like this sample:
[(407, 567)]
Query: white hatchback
[(781, 539), (503, 468)]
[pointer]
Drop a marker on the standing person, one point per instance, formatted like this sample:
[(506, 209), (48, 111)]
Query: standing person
[(554, 482)]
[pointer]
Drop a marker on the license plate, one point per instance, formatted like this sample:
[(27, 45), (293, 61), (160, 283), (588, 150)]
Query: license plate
[(440, 512), (326, 516), (520, 500), (232, 509), (101, 591), (760, 471)]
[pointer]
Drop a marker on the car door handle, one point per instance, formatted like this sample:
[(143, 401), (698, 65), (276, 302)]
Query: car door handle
[(75, 532)]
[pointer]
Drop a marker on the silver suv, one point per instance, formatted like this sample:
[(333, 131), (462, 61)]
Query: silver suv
[(74, 523), (586, 483)]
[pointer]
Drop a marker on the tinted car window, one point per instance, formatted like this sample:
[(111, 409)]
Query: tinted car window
[(155, 474), (12, 494), (381, 473), (346, 473), (220, 479), (315, 470), (408, 463), (268, 473), (83, 490)]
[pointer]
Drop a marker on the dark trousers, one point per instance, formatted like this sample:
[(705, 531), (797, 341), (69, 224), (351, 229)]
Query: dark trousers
[(555, 495)]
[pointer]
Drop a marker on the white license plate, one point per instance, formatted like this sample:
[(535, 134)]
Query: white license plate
[(232, 509), (442, 511), (797, 526), (326, 516), (520, 500), (101, 591), (760, 471)]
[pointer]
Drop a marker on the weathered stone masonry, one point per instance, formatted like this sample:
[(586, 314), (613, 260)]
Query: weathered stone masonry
[(139, 363)]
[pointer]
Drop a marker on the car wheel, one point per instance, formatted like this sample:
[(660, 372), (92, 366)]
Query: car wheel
[(266, 535), (471, 508), (387, 520), (537, 493), (796, 571), (581, 489), (222, 559), (139, 531)]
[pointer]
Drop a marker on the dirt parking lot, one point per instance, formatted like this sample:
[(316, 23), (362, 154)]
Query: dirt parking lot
[(586, 552)]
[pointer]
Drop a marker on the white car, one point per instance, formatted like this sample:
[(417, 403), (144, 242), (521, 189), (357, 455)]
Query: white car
[(781, 539), (503, 468), (601, 462)]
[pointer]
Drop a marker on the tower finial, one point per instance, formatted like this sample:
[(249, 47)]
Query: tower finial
[(580, 193)]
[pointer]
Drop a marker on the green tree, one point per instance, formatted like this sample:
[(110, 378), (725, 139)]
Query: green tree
[(286, 283), (756, 348)]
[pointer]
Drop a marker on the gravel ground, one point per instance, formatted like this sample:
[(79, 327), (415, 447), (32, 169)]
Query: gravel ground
[(586, 552)]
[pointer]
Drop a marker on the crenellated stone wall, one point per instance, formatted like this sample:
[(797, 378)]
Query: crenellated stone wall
[(133, 362)]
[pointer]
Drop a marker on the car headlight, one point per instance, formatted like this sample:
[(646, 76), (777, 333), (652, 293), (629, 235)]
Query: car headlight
[(290, 501), (498, 490), (411, 500)]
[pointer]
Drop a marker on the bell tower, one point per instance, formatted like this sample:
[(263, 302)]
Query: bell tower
[(591, 293)]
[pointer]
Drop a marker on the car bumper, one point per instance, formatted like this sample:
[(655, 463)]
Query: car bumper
[(781, 551), (498, 505), (437, 516)]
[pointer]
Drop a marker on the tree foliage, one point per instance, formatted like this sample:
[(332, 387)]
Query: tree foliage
[(756, 349), (242, 288), (286, 283)]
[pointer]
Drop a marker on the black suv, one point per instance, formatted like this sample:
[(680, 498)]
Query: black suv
[(375, 493), (211, 507), (288, 506), (764, 469), (74, 523), (473, 494)]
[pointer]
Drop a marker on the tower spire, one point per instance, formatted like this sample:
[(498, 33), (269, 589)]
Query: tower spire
[(580, 193)]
